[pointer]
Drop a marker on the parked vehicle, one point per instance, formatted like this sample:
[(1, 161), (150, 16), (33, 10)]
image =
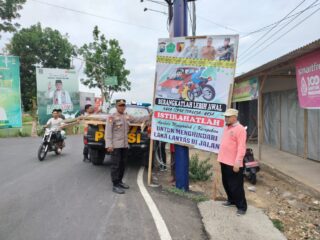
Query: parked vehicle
[(138, 136), (51, 141), (251, 167)]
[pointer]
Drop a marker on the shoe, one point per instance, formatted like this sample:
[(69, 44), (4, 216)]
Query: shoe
[(118, 189), (227, 204), (59, 150), (123, 185), (85, 159), (241, 212)]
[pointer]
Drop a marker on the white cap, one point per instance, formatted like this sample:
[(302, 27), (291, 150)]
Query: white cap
[(231, 112)]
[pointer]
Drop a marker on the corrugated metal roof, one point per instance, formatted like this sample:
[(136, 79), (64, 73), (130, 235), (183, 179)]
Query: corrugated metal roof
[(281, 61)]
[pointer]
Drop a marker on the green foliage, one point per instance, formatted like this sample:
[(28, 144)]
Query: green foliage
[(39, 46), (104, 58), (199, 170), (192, 196), (278, 224), (8, 12)]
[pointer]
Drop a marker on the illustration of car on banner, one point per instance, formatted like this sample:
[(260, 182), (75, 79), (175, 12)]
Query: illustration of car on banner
[(186, 83)]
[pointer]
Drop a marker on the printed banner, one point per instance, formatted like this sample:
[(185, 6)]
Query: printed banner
[(193, 78), (57, 89), (246, 90), (10, 97), (98, 101), (308, 80), (86, 98)]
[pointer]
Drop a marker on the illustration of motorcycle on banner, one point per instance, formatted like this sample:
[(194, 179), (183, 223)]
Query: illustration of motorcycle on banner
[(187, 83)]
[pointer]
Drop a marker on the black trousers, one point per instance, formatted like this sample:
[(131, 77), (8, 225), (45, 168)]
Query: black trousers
[(162, 151), (119, 158), (233, 185), (86, 151)]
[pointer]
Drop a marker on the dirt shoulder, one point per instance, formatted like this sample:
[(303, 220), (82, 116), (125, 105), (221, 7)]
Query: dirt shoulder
[(293, 208)]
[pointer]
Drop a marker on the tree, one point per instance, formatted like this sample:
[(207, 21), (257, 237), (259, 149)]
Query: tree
[(104, 58), (38, 47), (9, 11)]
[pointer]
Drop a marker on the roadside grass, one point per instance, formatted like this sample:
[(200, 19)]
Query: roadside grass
[(26, 118), (196, 197), (278, 224), (25, 131)]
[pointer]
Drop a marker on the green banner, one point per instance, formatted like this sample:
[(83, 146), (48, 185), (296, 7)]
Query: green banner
[(10, 97), (246, 90), (111, 81), (57, 89)]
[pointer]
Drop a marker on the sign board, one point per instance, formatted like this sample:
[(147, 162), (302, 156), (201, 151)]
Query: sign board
[(111, 81), (246, 90), (10, 97), (57, 89), (308, 80), (193, 79), (86, 98)]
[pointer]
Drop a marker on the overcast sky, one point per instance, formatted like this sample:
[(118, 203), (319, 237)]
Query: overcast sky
[(138, 31)]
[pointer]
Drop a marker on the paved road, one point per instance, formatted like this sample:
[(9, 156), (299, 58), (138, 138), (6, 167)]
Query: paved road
[(64, 198)]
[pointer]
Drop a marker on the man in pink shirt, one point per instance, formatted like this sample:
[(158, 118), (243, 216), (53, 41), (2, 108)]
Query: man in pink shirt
[(231, 154)]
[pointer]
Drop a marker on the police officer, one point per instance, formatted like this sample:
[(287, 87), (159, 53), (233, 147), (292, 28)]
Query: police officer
[(116, 137)]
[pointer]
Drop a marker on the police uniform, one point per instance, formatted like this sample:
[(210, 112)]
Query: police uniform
[(116, 137)]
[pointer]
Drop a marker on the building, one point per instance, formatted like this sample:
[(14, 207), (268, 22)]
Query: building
[(268, 100)]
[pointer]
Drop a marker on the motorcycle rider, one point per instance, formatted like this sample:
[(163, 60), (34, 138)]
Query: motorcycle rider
[(56, 123), (196, 77)]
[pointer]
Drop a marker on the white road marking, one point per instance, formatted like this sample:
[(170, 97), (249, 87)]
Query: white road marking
[(158, 220)]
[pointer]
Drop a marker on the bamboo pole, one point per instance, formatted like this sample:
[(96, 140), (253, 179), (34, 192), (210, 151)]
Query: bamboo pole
[(260, 115), (305, 154)]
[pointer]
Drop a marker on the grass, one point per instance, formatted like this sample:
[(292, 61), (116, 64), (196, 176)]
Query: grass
[(278, 224), (25, 131), (192, 196), (26, 118)]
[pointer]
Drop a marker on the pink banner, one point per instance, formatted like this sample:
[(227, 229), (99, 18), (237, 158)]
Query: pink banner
[(308, 80)]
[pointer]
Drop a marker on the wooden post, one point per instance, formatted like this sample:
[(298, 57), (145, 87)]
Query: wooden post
[(305, 154), (150, 162), (260, 116), (280, 125), (151, 141)]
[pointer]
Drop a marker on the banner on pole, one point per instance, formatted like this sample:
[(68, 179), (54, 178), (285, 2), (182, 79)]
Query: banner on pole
[(308, 80), (193, 78), (10, 95), (246, 90), (57, 89)]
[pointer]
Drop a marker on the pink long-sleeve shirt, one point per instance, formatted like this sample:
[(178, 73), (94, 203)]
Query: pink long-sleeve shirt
[(233, 145)]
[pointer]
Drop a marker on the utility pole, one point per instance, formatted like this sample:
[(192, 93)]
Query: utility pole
[(180, 29)]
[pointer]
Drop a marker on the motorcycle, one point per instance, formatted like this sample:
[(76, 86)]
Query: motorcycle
[(52, 141), (196, 90), (251, 167)]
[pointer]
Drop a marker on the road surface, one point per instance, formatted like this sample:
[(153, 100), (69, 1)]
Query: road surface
[(64, 198)]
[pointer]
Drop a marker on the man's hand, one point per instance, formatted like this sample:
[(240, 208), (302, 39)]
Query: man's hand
[(109, 149), (236, 168), (49, 86)]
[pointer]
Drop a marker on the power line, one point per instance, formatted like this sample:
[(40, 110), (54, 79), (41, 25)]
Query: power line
[(250, 53), (252, 45), (283, 34), (94, 15), (272, 24), (220, 25)]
